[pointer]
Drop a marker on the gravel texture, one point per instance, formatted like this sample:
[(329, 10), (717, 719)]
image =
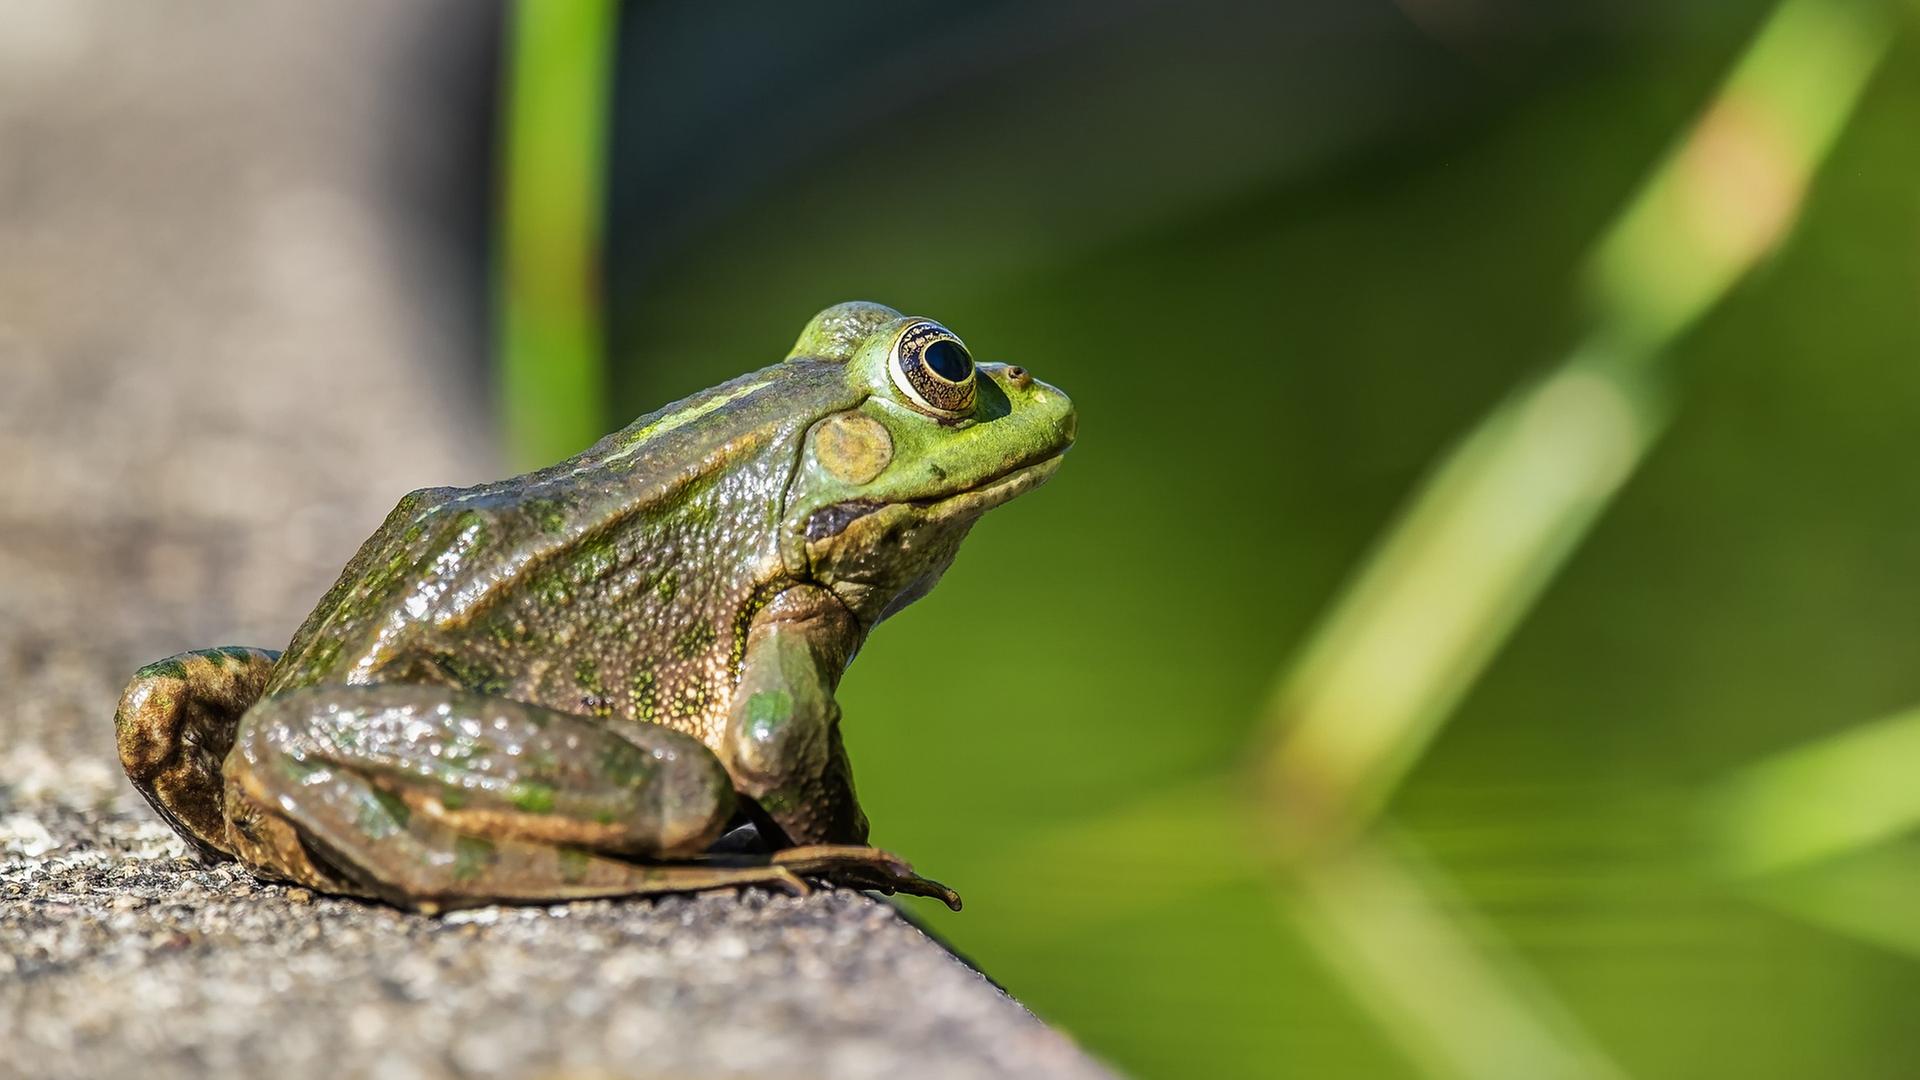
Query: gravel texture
[(125, 957), (224, 353)]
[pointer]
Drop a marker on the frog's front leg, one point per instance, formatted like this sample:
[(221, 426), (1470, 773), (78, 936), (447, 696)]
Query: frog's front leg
[(430, 797), (784, 750)]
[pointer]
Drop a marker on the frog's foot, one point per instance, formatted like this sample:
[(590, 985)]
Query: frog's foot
[(175, 724), (861, 867), (434, 798)]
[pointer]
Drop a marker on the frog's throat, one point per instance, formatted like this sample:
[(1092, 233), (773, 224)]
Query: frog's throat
[(861, 522)]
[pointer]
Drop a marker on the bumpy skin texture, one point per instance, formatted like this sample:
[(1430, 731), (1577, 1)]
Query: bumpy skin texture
[(570, 682)]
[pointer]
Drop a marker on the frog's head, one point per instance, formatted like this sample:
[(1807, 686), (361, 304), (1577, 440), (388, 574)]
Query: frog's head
[(887, 489)]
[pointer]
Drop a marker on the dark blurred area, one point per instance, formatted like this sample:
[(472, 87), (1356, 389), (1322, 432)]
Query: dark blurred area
[(1282, 256)]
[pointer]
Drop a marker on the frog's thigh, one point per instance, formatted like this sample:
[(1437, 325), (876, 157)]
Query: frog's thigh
[(355, 838), (430, 796)]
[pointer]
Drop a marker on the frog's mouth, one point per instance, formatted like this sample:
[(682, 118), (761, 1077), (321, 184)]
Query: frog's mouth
[(830, 521)]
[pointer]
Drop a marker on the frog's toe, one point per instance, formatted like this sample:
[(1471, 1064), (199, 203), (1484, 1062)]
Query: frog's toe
[(859, 867)]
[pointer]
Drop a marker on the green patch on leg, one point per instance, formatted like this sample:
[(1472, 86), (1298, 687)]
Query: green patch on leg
[(574, 864), (453, 798), (382, 814), (531, 797), (169, 668), (348, 736), (767, 710), (472, 857), (297, 769), (625, 765)]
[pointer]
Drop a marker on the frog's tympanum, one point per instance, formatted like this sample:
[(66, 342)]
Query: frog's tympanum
[(573, 682)]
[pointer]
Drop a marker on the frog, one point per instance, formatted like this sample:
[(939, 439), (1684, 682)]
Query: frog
[(616, 675)]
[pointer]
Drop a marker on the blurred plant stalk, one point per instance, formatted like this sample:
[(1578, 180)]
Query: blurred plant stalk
[(1493, 523), (1434, 603), (1489, 529), (1815, 802), (1815, 832), (1457, 1001), (548, 289)]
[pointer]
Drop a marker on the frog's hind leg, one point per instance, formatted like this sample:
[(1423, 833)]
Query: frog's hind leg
[(358, 838), (175, 724), (434, 798)]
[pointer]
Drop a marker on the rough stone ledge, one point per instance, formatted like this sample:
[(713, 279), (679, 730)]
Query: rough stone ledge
[(122, 955)]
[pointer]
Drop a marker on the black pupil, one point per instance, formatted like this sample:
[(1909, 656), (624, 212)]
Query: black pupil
[(949, 361)]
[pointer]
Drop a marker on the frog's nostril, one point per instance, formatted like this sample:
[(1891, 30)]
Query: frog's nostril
[(1018, 376)]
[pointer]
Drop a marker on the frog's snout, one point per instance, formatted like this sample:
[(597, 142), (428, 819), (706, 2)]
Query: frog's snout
[(1019, 377), (1065, 418)]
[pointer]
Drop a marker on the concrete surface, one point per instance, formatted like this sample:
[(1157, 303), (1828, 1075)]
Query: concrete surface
[(119, 956)]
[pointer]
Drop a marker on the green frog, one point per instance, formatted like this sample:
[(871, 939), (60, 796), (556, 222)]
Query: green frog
[(594, 679)]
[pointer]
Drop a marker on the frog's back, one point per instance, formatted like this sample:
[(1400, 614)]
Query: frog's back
[(614, 583)]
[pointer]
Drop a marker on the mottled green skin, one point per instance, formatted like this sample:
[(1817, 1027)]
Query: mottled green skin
[(615, 584), (511, 683)]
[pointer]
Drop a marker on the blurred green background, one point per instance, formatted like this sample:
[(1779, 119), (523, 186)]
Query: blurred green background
[(1284, 256)]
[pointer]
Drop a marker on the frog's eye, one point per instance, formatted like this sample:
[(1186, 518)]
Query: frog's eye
[(933, 370)]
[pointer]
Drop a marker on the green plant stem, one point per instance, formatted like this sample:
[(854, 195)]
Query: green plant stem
[(1814, 802), (1407, 948), (1483, 536), (1486, 533), (551, 365)]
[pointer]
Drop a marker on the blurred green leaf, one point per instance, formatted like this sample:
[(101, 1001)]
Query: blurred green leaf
[(1814, 802)]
